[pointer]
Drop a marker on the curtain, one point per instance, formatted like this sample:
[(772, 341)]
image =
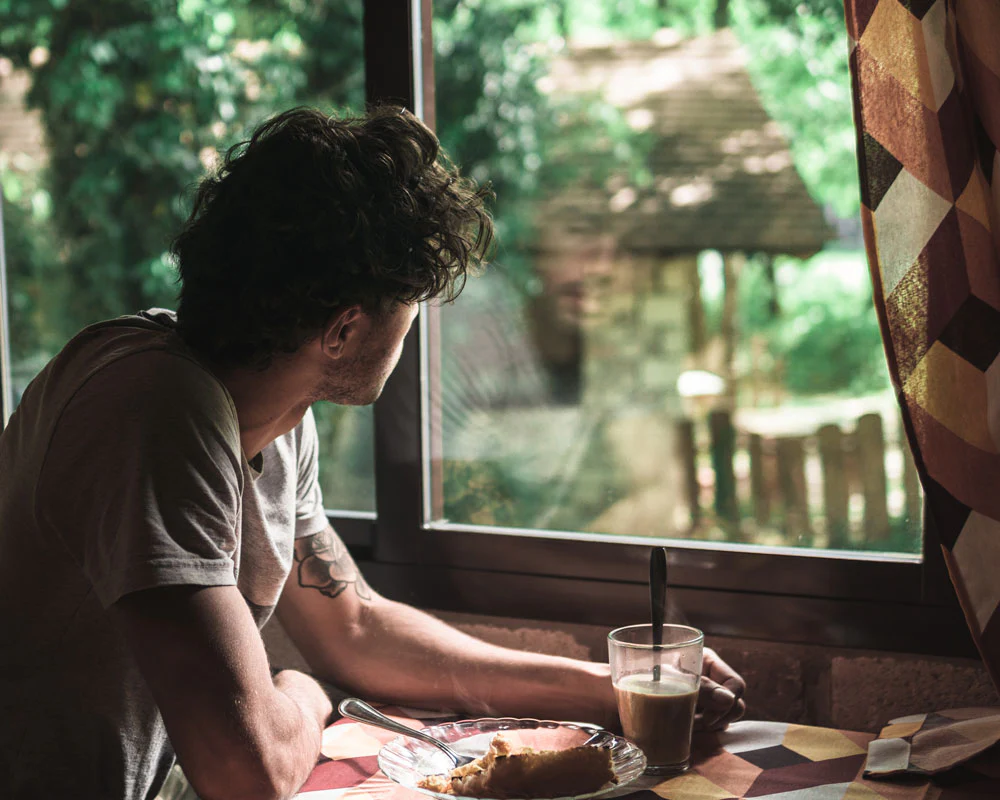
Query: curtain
[(926, 81)]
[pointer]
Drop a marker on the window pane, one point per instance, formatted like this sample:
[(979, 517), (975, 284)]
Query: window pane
[(347, 457), (677, 337), (129, 107)]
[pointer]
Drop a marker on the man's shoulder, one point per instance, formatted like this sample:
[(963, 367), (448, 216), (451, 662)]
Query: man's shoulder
[(121, 336), (145, 344), (129, 364)]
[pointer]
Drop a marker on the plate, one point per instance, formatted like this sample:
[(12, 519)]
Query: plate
[(407, 761)]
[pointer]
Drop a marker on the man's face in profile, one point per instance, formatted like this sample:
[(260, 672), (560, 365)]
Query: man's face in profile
[(358, 378)]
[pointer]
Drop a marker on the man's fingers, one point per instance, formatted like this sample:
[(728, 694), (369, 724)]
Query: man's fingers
[(718, 705), (720, 672), (719, 697), (710, 722), (720, 694), (737, 713)]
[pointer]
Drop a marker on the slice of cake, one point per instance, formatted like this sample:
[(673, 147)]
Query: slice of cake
[(502, 773)]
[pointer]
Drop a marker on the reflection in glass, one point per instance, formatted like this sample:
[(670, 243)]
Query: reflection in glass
[(677, 337)]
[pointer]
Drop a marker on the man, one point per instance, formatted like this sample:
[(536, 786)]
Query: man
[(158, 489)]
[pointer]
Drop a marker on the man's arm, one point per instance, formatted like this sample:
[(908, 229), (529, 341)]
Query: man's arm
[(388, 651), (237, 733)]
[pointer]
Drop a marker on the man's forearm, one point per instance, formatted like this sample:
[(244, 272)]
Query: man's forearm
[(383, 650), (401, 654)]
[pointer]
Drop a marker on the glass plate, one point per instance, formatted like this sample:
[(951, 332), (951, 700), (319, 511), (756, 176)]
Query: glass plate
[(407, 761)]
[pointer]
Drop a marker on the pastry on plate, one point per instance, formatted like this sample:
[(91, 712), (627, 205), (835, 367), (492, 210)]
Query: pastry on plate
[(503, 773)]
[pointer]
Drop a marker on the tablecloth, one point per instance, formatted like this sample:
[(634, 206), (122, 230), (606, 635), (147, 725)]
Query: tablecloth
[(766, 760)]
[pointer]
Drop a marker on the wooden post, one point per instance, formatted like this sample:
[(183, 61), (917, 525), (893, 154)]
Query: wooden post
[(758, 481), (835, 494), (687, 456), (871, 466), (723, 448), (792, 481)]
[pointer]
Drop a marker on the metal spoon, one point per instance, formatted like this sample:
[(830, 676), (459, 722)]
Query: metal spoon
[(657, 599), (360, 711)]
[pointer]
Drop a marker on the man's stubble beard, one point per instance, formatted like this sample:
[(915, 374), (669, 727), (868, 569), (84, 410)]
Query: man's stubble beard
[(357, 382), (349, 386)]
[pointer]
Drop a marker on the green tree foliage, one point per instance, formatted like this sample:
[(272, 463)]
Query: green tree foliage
[(138, 95), (136, 98), (799, 67), (825, 338), (35, 260), (496, 121)]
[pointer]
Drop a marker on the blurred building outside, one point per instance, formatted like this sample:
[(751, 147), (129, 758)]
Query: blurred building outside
[(623, 315)]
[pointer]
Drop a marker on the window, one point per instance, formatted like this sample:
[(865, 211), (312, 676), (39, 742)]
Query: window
[(127, 112), (677, 338), (675, 345)]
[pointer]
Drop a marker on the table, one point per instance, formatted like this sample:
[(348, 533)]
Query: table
[(766, 760)]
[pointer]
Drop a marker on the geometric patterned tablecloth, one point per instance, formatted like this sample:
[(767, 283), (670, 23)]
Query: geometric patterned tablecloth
[(765, 760)]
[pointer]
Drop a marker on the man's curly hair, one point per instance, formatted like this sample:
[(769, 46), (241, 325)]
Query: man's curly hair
[(314, 213)]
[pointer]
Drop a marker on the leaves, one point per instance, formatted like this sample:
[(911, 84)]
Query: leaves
[(826, 339), (139, 96), (798, 63), (136, 97)]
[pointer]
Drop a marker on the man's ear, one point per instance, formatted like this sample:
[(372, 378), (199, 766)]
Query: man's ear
[(339, 333)]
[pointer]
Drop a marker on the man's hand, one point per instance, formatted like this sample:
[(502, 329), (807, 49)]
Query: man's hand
[(720, 696)]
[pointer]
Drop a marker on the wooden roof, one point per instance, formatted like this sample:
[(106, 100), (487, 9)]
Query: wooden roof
[(723, 176)]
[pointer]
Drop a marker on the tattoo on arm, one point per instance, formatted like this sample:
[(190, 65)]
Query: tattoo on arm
[(325, 565)]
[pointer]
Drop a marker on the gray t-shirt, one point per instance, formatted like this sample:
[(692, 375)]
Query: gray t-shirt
[(122, 470)]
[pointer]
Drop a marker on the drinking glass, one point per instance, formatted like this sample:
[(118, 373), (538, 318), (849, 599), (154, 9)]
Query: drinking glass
[(656, 686)]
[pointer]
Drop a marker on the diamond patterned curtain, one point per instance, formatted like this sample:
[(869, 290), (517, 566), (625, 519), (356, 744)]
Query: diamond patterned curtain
[(927, 110)]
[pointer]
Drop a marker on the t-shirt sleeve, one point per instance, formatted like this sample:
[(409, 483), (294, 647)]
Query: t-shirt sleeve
[(143, 477), (310, 516)]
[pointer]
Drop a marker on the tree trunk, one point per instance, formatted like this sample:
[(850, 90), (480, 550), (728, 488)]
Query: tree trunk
[(773, 304), (562, 18), (732, 266), (696, 307), (721, 14)]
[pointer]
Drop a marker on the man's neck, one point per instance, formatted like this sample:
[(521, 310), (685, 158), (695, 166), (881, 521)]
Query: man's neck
[(269, 402)]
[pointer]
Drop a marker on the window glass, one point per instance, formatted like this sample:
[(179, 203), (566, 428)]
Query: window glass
[(676, 337), (109, 115)]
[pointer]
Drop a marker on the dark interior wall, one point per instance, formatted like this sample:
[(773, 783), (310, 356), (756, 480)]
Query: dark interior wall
[(848, 689)]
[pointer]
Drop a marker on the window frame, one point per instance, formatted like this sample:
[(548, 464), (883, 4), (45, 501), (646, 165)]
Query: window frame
[(6, 390), (851, 601)]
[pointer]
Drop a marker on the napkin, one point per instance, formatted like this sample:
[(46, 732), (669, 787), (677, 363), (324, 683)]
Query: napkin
[(926, 744)]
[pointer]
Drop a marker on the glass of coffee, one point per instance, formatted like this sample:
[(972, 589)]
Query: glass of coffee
[(657, 689)]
